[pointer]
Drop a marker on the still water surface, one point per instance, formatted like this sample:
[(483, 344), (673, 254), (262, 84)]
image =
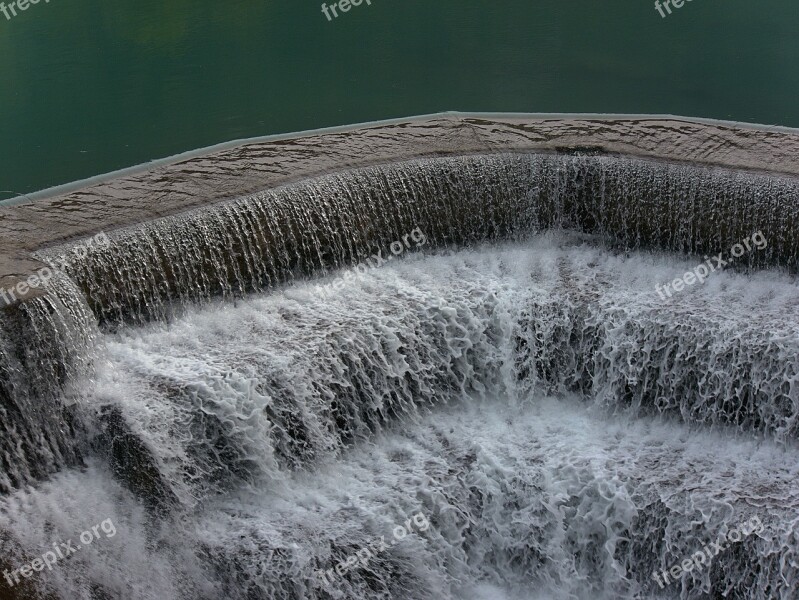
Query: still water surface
[(89, 86)]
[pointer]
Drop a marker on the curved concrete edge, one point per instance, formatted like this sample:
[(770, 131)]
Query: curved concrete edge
[(190, 180), (222, 146)]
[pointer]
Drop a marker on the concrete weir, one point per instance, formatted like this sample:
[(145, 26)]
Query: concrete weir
[(245, 446), (721, 150)]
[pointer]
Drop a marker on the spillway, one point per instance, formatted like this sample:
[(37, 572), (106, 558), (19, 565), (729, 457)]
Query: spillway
[(467, 377)]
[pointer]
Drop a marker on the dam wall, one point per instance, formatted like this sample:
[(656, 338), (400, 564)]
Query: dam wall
[(614, 421), (756, 166), (237, 169)]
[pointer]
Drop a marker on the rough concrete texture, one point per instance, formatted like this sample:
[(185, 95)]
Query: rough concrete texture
[(253, 166)]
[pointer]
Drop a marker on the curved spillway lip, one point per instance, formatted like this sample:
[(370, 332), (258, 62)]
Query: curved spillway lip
[(223, 146), (191, 180)]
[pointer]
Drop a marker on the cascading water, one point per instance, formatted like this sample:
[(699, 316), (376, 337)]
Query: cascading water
[(325, 223), (535, 417), (45, 351)]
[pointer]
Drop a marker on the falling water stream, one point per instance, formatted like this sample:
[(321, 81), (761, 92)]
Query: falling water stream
[(507, 387)]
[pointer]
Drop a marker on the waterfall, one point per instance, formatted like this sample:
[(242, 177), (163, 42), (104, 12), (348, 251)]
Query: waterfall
[(476, 351), (45, 355), (268, 239)]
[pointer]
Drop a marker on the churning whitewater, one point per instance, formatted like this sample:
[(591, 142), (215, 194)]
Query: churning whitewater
[(521, 421)]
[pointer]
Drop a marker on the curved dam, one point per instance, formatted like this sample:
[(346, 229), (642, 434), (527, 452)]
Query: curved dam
[(475, 357)]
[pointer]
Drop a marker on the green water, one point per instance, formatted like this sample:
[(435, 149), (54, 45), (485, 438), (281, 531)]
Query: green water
[(89, 86)]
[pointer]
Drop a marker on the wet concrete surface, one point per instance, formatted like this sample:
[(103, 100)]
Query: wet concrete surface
[(170, 189)]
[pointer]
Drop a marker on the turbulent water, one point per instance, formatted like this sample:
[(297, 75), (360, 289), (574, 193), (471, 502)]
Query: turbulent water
[(468, 378), (531, 420)]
